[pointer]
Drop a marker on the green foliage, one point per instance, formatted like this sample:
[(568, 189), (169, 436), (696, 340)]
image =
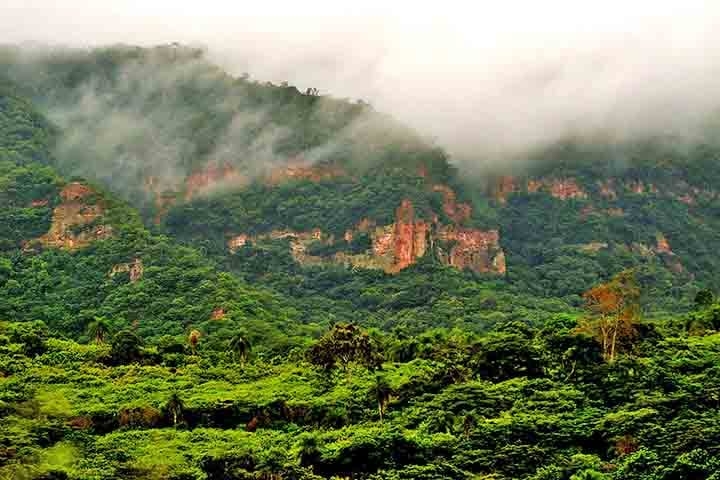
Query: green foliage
[(126, 348), (650, 416), (203, 364), (342, 345)]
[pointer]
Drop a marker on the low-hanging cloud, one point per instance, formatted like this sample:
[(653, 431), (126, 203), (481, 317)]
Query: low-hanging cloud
[(487, 81)]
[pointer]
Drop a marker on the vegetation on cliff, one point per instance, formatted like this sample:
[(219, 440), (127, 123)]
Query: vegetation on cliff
[(215, 321)]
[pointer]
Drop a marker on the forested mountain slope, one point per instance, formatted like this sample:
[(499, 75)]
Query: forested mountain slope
[(268, 180), (70, 252), (205, 277)]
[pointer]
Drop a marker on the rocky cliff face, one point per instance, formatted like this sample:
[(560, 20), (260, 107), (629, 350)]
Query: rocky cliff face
[(398, 245), (476, 250), (663, 249), (223, 176), (457, 212), (561, 188), (134, 269), (609, 189), (406, 241), (77, 220)]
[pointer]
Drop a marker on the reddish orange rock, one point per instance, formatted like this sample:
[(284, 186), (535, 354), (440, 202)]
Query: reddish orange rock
[(562, 188), (210, 177), (566, 188), (457, 212), (662, 246), (75, 191), (409, 238)]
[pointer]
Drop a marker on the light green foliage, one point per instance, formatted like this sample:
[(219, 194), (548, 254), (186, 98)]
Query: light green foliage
[(604, 421), (445, 374)]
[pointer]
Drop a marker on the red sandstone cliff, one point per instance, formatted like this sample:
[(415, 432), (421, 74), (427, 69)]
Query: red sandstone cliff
[(457, 212), (409, 237), (400, 244)]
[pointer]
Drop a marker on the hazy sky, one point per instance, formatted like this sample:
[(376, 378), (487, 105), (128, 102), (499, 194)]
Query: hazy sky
[(491, 76)]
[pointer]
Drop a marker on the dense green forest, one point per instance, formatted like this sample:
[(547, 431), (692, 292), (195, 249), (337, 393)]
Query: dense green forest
[(135, 344)]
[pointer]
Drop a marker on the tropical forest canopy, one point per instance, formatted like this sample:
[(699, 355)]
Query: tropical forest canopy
[(210, 277)]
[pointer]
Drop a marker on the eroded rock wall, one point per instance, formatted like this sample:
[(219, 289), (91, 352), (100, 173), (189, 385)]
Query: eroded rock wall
[(398, 245), (77, 220)]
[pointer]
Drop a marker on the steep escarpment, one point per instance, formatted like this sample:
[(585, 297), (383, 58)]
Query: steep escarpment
[(221, 163), (393, 247), (477, 250)]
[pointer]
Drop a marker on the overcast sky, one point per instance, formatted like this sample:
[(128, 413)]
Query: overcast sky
[(496, 76)]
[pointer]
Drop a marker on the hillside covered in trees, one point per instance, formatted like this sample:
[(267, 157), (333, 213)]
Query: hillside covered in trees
[(210, 277)]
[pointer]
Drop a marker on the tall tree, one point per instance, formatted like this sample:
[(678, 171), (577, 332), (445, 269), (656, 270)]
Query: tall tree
[(383, 393), (613, 313), (193, 340), (99, 329), (126, 347), (240, 347), (174, 408), (345, 343)]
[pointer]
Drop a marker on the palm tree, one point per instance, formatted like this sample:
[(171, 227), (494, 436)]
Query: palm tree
[(193, 339), (240, 347), (383, 393), (99, 329), (174, 407)]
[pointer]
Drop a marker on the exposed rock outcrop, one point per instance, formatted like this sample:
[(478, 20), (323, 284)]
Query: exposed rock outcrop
[(662, 245), (562, 188), (237, 242), (299, 242), (135, 269), (661, 249), (409, 237), (398, 245), (473, 249), (457, 212), (76, 221)]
